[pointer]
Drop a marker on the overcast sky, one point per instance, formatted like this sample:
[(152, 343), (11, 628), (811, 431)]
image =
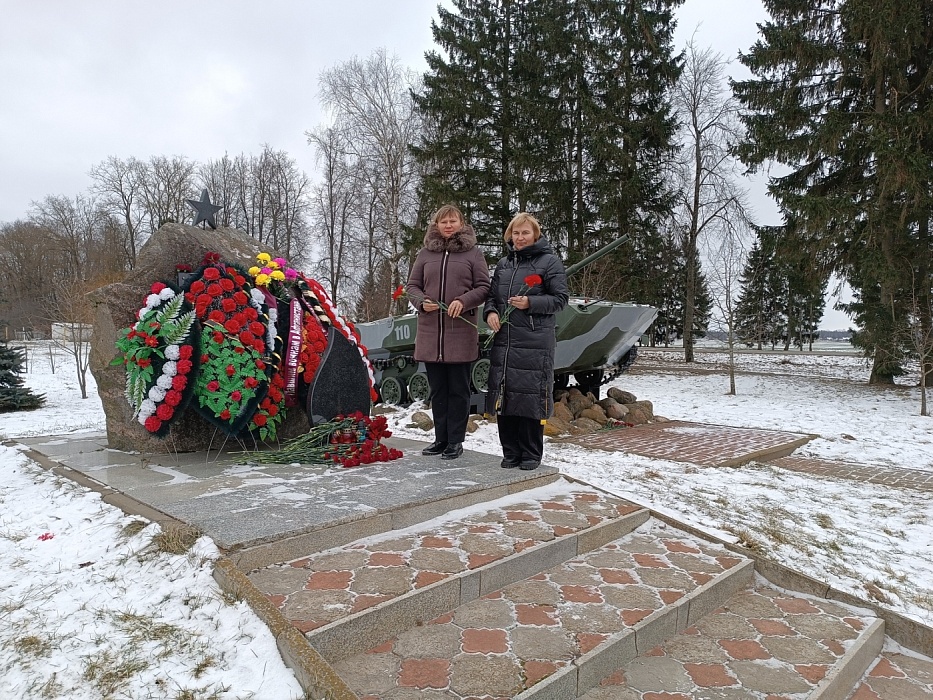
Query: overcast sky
[(81, 81)]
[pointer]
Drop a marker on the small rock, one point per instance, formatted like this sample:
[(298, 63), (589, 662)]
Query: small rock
[(624, 397), (586, 425), (556, 426), (846, 436), (472, 426), (661, 419), (562, 412), (381, 409), (577, 403), (422, 420), (595, 413)]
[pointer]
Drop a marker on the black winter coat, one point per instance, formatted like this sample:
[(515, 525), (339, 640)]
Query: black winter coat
[(521, 376)]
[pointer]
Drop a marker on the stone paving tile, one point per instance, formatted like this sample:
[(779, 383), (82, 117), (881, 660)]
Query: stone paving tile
[(897, 677), (889, 476), (763, 644), (707, 445), (511, 639), (316, 590)]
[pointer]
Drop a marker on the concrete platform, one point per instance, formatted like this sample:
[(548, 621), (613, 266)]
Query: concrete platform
[(245, 506)]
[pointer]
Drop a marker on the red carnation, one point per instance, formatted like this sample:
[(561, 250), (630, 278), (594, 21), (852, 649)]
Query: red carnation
[(197, 286), (153, 424), (533, 280), (260, 364), (179, 382), (143, 362), (157, 287), (257, 328), (399, 291), (241, 298), (211, 273), (184, 352), (236, 396), (225, 414), (152, 341), (213, 385), (259, 419), (251, 314), (259, 346), (273, 410), (131, 334), (218, 337), (231, 370), (227, 284), (246, 338), (250, 383), (205, 358), (165, 412), (204, 299), (239, 350), (183, 366), (232, 326), (228, 305), (215, 290), (239, 279), (142, 334), (216, 316), (172, 398), (190, 297)]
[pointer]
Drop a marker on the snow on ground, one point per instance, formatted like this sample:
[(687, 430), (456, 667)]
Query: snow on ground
[(89, 608), (96, 603)]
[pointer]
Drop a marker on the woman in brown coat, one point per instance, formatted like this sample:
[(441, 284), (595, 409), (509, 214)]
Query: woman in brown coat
[(448, 283)]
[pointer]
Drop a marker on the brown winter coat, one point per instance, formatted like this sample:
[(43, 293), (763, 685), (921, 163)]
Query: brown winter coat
[(448, 269)]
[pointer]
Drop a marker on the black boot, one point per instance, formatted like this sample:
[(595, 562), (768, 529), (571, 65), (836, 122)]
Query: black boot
[(508, 464), (454, 450), (529, 466), (435, 448)]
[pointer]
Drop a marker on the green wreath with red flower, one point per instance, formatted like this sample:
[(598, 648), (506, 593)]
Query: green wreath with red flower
[(234, 376), (160, 354)]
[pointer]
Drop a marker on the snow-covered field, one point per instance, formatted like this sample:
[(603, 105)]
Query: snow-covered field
[(88, 603)]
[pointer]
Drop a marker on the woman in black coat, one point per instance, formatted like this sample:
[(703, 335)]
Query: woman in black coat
[(531, 280)]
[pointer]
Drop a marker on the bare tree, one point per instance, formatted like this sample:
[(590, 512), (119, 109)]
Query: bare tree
[(70, 315), (118, 187), (335, 202), (165, 184), (710, 197), (371, 103), (72, 225), (726, 257)]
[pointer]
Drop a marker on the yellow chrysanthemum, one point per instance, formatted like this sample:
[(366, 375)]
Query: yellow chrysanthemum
[(273, 264), (253, 271), (278, 275), (263, 258), (262, 280)]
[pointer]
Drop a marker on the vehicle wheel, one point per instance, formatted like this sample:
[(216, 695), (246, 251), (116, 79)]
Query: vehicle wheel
[(418, 387), (589, 381), (479, 375), (391, 391)]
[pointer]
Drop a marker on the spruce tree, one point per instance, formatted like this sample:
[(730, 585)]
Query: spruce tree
[(558, 107), (842, 96), (13, 395)]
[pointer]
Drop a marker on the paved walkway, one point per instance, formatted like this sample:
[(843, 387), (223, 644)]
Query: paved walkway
[(725, 446)]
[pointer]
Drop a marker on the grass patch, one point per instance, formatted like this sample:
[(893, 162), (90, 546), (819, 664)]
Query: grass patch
[(110, 674), (33, 645), (652, 474), (176, 539), (748, 540), (824, 521), (133, 528), (201, 693)]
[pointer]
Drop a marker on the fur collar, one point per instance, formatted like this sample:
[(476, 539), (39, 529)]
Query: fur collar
[(462, 240)]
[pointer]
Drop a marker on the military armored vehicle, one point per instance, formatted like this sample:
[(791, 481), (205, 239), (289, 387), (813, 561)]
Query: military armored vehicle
[(596, 341)]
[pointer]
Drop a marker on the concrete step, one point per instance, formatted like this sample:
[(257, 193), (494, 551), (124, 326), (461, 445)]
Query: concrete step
[(556, 634), (349, 599), (762, 643), (897, 676)]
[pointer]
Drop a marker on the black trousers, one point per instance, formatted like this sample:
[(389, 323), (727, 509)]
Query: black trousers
[(450, 399), (522, 438)]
